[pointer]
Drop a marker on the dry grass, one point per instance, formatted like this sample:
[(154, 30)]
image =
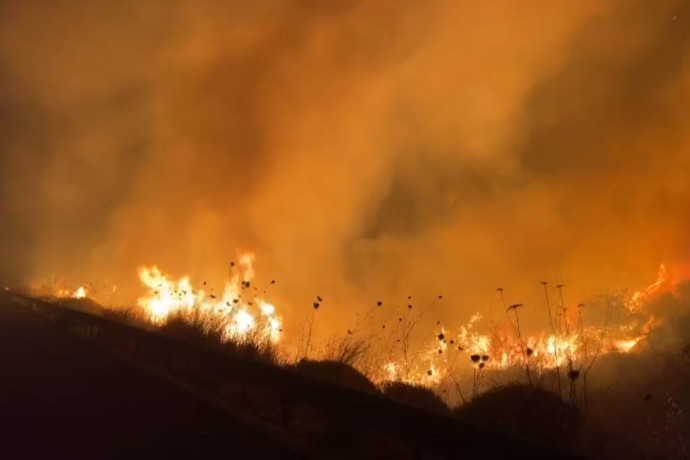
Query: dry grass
[(201, 333), (536, 412)]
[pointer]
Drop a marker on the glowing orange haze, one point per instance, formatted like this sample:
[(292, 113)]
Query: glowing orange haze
[(365, 150)]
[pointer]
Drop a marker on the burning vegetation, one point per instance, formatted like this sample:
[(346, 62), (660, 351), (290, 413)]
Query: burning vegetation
[(237, 312), (367, 150), (544, 376), (454, 360)]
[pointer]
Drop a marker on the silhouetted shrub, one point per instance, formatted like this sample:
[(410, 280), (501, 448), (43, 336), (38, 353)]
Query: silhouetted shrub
[(192, 332), (336, 372), (525, 411), (128, 316), (83, 305), (416, 396), (201, 334)]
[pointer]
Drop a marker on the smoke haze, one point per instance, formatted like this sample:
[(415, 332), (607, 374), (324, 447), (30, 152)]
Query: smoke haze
[(363, 150)]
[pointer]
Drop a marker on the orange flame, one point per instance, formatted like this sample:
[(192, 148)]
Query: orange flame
[(667, 281), (80, 293), (543, 352), (241, 315), (237, 312)]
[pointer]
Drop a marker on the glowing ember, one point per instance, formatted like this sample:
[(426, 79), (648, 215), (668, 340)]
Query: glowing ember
[(625, 346), (65, 293)]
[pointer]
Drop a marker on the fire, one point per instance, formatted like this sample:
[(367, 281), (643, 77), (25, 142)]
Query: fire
[(570, 345), (391, 371), (501, 350), (238, 313), (165, 296), (427, 376), (625, 346), (667, 281), (65, 293), (644, 295)]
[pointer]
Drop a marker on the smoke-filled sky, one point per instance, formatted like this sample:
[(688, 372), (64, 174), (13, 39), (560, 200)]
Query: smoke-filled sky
[(361, 149)]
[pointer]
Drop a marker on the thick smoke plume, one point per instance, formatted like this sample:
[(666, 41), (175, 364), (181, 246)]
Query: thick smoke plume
[(362, 150)]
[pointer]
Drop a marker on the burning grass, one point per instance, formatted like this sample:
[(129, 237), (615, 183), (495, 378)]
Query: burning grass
[(199, 333), (530, 384), (460, 358), (238, 313), (460, 361)]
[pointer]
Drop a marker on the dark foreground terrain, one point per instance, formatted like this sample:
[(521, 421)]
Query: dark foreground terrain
[(58, 396)]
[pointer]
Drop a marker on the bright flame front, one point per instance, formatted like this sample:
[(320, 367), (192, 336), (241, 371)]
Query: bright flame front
[(238, 313)]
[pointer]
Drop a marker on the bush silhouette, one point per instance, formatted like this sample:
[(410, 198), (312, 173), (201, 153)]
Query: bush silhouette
[(199, 334), (416, 396), (336, 372), (85, 305), (527, 412)]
